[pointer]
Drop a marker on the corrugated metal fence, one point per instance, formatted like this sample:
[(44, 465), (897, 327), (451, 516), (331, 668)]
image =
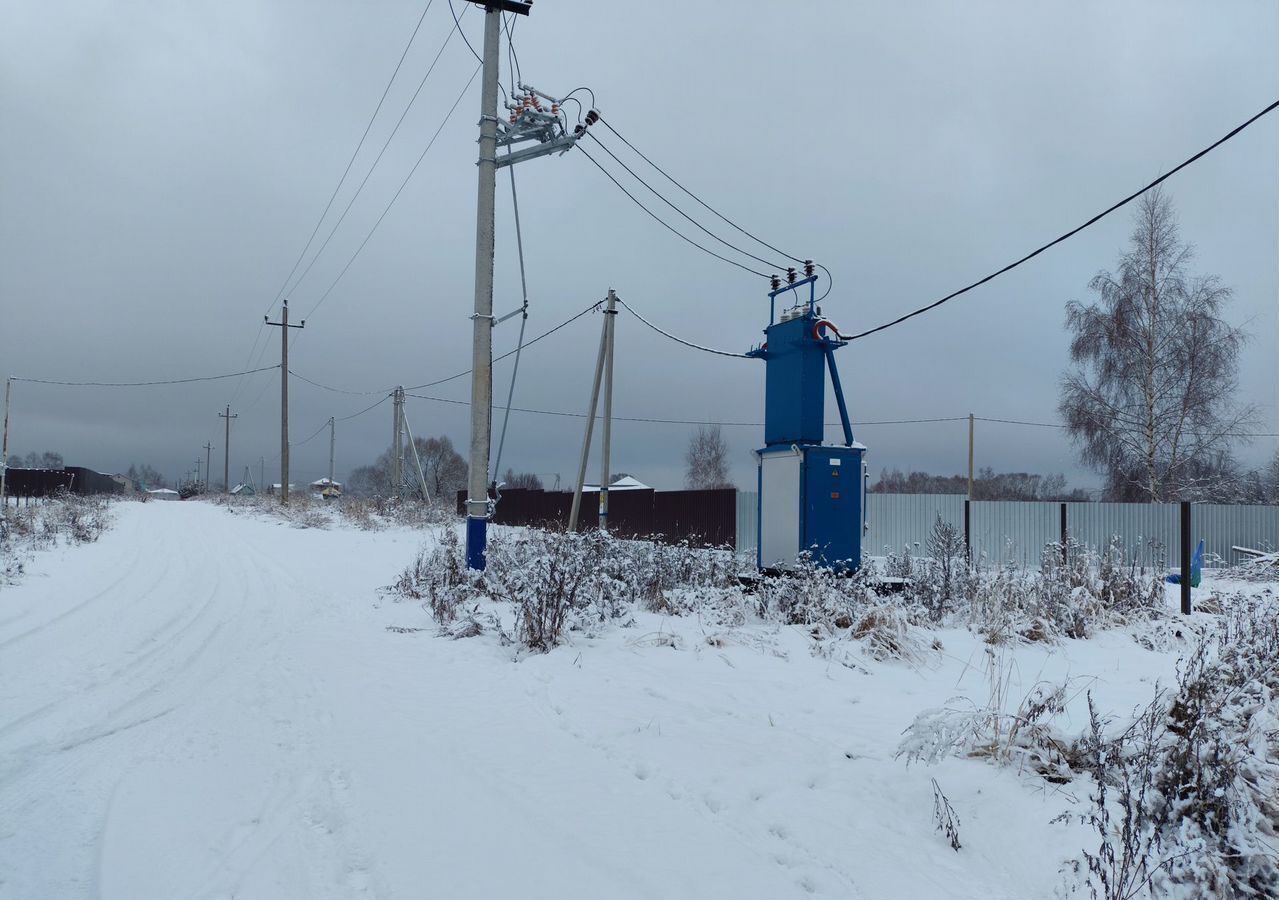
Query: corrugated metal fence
[(1016, 532)]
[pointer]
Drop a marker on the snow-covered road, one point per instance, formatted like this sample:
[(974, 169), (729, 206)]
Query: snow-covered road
[(207, 704)]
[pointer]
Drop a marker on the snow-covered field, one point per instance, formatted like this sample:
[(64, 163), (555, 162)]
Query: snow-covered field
[(207, 703)]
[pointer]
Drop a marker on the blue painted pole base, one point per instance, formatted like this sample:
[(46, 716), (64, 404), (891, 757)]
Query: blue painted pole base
[(476, 542)]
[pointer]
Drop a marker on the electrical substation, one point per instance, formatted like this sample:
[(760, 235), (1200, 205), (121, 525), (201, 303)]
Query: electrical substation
[(812, 495)]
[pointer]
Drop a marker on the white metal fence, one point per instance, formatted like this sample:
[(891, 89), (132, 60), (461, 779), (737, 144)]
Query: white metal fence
[(1016, 532)]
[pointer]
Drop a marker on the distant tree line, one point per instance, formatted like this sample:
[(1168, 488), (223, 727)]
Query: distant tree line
[(987, 485), (46, 460)]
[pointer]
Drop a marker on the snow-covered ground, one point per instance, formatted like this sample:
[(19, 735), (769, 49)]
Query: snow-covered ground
[(210, 704)]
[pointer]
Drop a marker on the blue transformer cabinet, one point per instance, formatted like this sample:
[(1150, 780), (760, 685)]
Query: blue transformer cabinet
[(812, 495)]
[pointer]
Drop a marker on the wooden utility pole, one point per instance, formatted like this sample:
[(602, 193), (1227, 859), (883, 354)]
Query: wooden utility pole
[(208, 463), (610, 321), (226, 450), (284, 327), (970, 456)]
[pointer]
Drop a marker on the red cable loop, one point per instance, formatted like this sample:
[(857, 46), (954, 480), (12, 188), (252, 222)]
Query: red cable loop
[(825, 323)]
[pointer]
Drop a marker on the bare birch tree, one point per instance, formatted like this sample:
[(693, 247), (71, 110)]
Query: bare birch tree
[(707, 460), (1151, 399)]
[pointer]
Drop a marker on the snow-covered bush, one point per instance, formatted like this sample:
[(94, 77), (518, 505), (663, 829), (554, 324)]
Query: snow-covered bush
[(71, 518), (1187, 797)]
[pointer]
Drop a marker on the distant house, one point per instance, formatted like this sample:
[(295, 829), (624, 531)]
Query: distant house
[(163, 494), (275, 488), (243, 490), (327, 489), (625, 483)]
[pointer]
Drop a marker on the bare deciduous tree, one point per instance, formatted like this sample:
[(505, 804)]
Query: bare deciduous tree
[(1151, 399), (442, 467), (526, 480), (707, 460)]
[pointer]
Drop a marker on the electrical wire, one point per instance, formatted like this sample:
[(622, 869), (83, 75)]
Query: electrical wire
[(655, 421), (338, 390), (140, 383), (545, 334), (1101, 215), (356, 153), (699, 200), (398, 191), (363, 411), (696, 223), (662, 222), (1234, 434), (463, 33), (367, 175), (679, 340)]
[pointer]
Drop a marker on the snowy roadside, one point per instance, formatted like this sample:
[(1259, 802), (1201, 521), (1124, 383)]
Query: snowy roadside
[(207, 703)]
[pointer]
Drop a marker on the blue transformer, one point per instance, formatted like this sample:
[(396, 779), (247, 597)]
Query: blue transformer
[(812, 495)]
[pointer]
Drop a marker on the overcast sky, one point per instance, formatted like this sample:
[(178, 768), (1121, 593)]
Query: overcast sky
[(163, 164)]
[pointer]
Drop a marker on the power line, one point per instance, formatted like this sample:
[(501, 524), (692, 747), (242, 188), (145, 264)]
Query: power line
[(699, 200), (398, 191), (656, 421), (141, 383), (679, 340), (354, 154), (1234, 434), (1101, 215), (662, 222), (696, 223), (527, 344), (363, 411), (337, 390), (369, 174), (458, 24)]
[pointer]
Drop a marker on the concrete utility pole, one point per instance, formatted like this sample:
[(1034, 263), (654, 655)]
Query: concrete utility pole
[(284, 327), (332, 445), (590, 427), (610, 323), (226, 450), (397, 441), (4, 451), (198, 480), (208, 463), (482, 319), (970, 456)]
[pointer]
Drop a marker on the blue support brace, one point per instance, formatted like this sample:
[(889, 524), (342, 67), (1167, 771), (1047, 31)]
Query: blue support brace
[(839, 393)]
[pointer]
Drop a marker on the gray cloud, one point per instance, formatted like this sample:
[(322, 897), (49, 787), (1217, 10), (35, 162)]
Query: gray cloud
[(163, 166)]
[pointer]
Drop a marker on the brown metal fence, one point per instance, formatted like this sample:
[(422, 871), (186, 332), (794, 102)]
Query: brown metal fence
[(705, 518)]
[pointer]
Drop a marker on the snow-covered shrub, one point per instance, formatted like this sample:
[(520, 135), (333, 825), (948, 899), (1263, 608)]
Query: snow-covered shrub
[(943, 578), (887, 634), (439, 577), (1187, 798), (810, 594)]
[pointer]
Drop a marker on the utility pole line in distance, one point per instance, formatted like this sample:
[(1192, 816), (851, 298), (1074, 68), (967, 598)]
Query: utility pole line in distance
[(284, 327), (226, 450)]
